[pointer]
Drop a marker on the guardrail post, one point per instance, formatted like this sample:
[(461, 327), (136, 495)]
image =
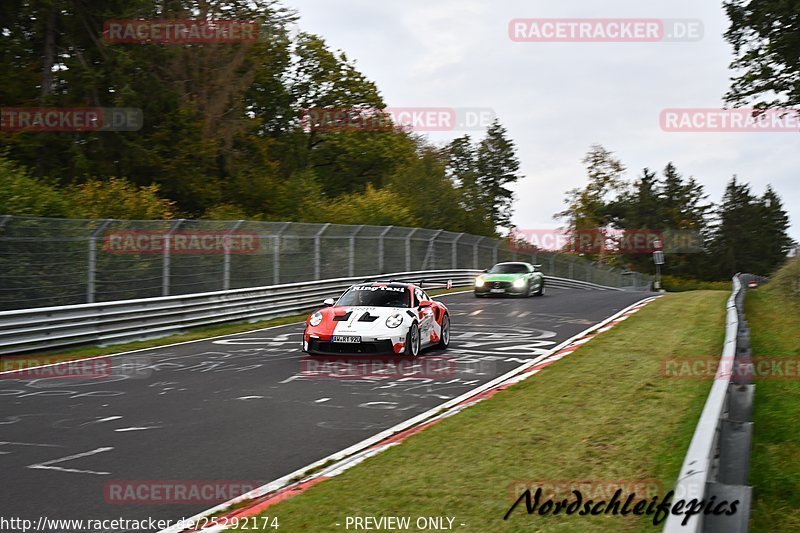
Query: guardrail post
[(454, 251), (5, 219), (381, 248), (317, 254), (166, 256), (91, 267), (408, 249), (226, 264), (352, 252), (276, 254)]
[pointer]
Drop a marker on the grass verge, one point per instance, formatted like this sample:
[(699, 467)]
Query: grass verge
[(774, 322), (605, 413), (12, 362)]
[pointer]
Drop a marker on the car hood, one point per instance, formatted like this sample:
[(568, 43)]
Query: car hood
[(501, 277), (356, 313)]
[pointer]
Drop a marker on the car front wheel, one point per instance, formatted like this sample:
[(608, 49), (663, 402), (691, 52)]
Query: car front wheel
[(412, 341), (444, 342)]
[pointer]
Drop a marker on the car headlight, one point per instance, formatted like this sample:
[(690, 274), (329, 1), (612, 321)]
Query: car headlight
[(394, 320), (519, 283), (315, 319), (479, 282)]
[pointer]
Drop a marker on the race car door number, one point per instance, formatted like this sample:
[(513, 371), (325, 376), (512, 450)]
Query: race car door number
[(345, 338)]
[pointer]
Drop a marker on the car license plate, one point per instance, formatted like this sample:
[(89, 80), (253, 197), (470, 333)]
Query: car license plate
[(345, 338), (497, 290)]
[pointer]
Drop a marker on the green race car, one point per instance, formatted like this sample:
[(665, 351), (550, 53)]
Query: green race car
[(512, 279)]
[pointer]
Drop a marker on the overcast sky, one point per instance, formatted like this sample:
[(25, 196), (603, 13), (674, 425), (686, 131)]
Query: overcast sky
[(556, 99)]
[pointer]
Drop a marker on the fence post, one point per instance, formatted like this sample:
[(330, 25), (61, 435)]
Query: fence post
[(475, 253), (352, 255), (276, 254), (430, 251), (455, 251), (165, 266), (571, 274), (408, 249), (317, 255), (91, 267), (380, 248), (226, 264)]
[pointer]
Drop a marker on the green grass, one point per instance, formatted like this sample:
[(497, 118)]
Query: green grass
[(773, 314), (7, 362), (602, 413)]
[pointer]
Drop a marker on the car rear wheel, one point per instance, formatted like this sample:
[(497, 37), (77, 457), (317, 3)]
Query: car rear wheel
[(540, 292), (444, 342), (412, 341)]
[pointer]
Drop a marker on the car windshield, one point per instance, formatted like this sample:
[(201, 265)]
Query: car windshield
[(509, 268), (375, 296)]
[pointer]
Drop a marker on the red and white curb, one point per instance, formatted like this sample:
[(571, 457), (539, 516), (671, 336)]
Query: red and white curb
[(261, 498)]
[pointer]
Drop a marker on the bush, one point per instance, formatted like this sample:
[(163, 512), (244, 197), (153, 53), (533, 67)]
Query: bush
[(118, 198), (676, 284), (786, 282), (23, 195)]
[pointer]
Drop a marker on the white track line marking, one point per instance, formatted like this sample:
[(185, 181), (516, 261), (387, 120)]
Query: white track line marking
[(100, 421), (4, 443), (321, 400), (524, 314), (476, 312), (47, 465), (135, 428)]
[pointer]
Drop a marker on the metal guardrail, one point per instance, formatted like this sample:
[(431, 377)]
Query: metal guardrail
[(717, 463), (46, 328)]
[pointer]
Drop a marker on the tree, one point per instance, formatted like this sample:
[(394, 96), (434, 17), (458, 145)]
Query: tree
[(765, 35), (461, 170), (773, 231), (496, 166), (751, 232), (591, 208)]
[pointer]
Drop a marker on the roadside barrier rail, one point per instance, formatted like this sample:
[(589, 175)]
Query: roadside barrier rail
[(717, 463), (24, 330)]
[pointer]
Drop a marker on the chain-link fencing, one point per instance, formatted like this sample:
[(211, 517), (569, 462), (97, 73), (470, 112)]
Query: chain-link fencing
[(52, 262)]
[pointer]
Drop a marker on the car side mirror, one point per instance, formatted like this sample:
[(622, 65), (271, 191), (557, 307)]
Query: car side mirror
[(485, 270), (328, 302), (425, 304)]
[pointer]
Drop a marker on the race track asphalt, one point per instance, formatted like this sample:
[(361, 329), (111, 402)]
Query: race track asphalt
[(246, 409)]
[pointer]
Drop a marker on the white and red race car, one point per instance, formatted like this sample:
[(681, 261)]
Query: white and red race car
[(378, 318)]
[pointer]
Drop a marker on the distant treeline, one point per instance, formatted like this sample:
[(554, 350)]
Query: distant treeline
[(745, 232), (223, 134)]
